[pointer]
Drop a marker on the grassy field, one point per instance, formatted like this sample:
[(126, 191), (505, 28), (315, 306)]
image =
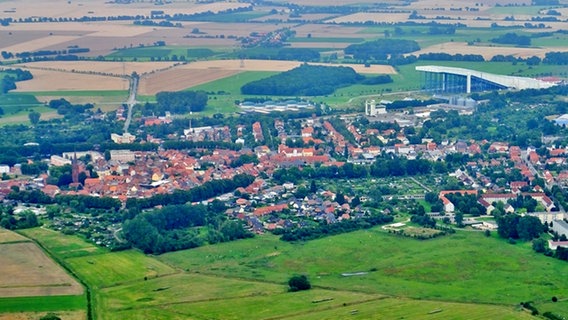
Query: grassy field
[(62, 246), (44, 303), (465, 275), (103, 270), (465, 267), (223, 92), (323, 39)]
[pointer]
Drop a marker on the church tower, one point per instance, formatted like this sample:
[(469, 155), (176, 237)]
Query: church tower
[(75, 169)]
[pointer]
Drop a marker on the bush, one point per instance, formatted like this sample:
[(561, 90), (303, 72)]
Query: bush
[(299, 283)]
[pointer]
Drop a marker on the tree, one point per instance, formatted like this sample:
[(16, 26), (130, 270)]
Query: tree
[(34, 117), (539, 245), (50, 316), (299, 283)]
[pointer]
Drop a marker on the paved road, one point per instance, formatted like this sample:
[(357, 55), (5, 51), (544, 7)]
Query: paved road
[(131, 101), (421, 184)]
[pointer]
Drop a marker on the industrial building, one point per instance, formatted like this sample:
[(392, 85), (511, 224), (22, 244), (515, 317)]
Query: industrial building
[(438, 79)]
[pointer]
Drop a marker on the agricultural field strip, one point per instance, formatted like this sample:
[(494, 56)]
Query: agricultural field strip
[(26, 275)]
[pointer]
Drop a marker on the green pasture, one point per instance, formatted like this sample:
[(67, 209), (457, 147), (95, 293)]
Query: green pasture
[(556, 40), (145, 53), (397, 308), (421, 34), (233, 16), (17, 100), (103, 270), (517, 10), (223, 92), (141, 52), (183, 288), (464, 267), (62, 246), (280, 305), (324, 39), (43, 303), (465, 275)]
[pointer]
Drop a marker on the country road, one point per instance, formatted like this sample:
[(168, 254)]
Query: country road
[(131, 101)]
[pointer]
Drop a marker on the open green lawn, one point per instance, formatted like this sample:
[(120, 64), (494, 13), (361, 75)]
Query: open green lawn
[(103, 270), (223, 92), (45, 303), (145, 53), (62, 246), (465, 267), (17, 100), (513, 10)]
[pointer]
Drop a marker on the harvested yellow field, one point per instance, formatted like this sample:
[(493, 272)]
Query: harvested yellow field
[(486, 51), (62, 8), (10, 236), (37, 44), (179, 79), (50, 80), (67, 315), (26, 271)]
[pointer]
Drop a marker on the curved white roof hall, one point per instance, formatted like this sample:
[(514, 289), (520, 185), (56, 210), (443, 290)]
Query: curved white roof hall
[(511, 82)]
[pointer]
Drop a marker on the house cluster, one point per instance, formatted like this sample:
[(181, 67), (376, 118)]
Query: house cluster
[(275, 207), (487, 200)]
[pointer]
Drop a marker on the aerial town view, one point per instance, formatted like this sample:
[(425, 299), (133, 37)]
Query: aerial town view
[(283, 159)]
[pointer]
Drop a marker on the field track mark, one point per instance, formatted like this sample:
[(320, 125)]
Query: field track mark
[(116, 284)]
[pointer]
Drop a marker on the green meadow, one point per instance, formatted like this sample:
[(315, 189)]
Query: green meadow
[(465, 267), (40, 304), (465, 275), (146, 53)]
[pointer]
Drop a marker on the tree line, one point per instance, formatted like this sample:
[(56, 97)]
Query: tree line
[(381, 168), (172, 228), (178, 102), (380, 49), (324, 229), (11, 76)]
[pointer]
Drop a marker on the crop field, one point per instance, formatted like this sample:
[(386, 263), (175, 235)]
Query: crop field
[(7, 236), (54, 8), (69, 81), (180, 79), (27, 271), (488, 51)]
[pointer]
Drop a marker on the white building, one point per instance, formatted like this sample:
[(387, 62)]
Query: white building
[(372, 109), (58, 161), (4, 168), (122, 155), (125, 138)]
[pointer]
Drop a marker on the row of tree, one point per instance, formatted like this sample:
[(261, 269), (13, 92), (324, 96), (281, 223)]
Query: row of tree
[(324, 229), (381, 168)]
